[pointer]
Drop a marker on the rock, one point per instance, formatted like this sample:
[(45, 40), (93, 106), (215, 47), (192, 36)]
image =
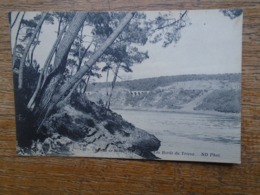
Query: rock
[(92, 125), (146, 141)]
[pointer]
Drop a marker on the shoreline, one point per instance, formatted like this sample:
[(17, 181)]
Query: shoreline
[(179, 111)]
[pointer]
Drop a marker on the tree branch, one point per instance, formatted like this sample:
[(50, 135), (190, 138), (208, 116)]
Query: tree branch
[(16, 39), (173, 23), (12, 25)]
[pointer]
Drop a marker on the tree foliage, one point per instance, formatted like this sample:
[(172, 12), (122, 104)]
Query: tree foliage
[(232, 13), (167, 29)]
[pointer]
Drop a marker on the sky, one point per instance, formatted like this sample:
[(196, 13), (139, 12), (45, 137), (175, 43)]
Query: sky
[(212, 44)]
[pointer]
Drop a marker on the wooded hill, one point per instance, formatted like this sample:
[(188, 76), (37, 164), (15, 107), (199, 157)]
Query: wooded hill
[(149, 84), (190, 93)]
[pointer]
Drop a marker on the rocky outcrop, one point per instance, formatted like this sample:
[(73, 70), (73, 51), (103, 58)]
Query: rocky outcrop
[(91, 127)]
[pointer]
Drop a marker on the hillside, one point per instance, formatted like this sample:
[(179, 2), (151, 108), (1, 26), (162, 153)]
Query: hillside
[(220, 93)]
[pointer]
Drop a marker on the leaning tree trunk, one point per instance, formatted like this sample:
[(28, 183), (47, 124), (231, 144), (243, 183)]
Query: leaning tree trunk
[(27, 48), (60, 61), (43, 74), (113, 86), (107, 87), (51, 54), (34, 47), (69, 37), (67, 98), (83, 55), (83, 70)]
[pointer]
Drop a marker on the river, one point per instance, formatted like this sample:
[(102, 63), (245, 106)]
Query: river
[(190, 136)]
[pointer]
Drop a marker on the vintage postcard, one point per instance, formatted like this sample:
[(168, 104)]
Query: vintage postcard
[(159, 85)]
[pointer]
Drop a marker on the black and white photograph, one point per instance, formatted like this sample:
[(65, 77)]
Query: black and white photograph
[(151, 85)]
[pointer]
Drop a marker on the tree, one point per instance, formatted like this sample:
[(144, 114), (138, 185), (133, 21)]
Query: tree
[(60, 60), (123, 56)]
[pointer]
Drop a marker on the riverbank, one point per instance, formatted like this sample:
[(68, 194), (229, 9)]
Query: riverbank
[(180, 111)]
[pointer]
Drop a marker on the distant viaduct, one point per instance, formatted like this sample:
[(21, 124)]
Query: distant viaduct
[(136, 93), (133, 93)]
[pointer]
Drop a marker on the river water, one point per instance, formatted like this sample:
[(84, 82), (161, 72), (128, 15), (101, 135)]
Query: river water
[(189, 136)]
